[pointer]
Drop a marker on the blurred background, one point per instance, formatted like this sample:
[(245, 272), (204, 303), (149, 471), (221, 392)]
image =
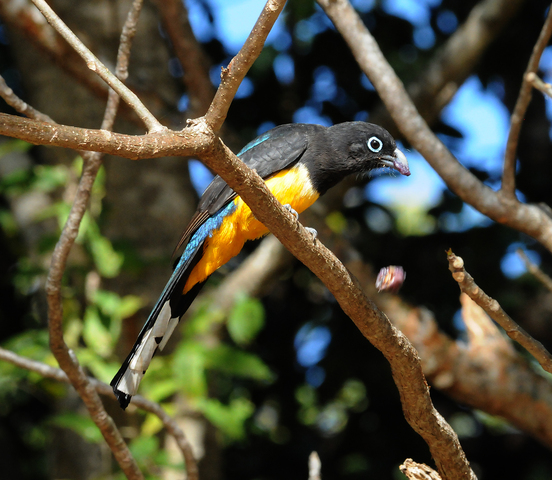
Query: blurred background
[(262, 375)]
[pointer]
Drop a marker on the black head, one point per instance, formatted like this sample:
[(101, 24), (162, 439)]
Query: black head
[(357, 147), (368, 146)]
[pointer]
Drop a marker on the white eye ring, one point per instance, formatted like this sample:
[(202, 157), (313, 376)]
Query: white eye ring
[(374, 144)]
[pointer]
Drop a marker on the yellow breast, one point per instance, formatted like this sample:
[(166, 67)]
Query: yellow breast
[(291, 187)]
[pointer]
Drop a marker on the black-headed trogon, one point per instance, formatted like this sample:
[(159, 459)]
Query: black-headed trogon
[(299, 162)]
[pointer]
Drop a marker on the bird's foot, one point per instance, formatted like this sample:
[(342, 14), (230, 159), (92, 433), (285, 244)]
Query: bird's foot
[(288, 207), (312, 231)]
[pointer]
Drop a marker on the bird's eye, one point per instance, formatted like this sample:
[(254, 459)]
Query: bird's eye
[(375, 144)]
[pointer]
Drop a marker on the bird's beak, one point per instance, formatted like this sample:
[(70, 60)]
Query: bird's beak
[(397, 161)]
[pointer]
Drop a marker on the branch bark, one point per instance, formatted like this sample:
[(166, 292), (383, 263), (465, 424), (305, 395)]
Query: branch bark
[(95, 65), (231, 77)]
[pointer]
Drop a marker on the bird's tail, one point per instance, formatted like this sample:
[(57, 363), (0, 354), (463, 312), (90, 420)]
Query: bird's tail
[(158, 329)]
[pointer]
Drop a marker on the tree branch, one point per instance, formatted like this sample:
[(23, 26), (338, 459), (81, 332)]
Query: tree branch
[(59, 375), (95, 65), (19, 105), (535, 270), (508, 386), (65, 357), (232, 76), (537, 83), (524, 97), (495, 311)]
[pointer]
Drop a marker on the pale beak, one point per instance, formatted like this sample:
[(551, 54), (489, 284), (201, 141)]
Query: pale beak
[(397, 161)]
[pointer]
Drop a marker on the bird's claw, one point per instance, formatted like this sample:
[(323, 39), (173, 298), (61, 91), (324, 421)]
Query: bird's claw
[(312, 231), (289, 208)]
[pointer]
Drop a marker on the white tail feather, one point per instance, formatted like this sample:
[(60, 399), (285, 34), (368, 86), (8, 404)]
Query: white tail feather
[(173, 322), (129, 382)]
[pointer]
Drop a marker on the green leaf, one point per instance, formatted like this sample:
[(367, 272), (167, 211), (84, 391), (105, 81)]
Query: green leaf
[(107, 260), (49, 178), (95, 334), (230, 419), (143, 448), (246, 320), (14, 145), (203, 320), (189, 368), (116, 306), (236, 362), (337, 222), (79, 424)]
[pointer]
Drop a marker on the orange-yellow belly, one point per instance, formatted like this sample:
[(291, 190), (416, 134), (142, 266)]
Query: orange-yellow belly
[(292, 187)]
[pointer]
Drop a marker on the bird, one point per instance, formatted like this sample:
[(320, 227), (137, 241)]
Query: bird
[(299, 163)]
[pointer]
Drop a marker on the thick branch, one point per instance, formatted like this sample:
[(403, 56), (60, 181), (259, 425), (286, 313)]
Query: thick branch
[(188, 142)]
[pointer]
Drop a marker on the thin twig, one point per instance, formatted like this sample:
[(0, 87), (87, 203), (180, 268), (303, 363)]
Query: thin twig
[(418, 471), (19, 105), (535, 270), (495, 311), (138, 401), (232, 76), (537, 83), (508, 386), (94, 64), (525, 92), (92, 162)]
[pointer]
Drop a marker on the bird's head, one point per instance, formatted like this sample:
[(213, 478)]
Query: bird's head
[(368, 147)]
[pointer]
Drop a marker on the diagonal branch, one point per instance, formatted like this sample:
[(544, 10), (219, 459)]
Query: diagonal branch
[(59, 375), (455, 60), (524, 97), (535, 270), (232, 76), (19, 105), (95, 65), (495, 311)]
